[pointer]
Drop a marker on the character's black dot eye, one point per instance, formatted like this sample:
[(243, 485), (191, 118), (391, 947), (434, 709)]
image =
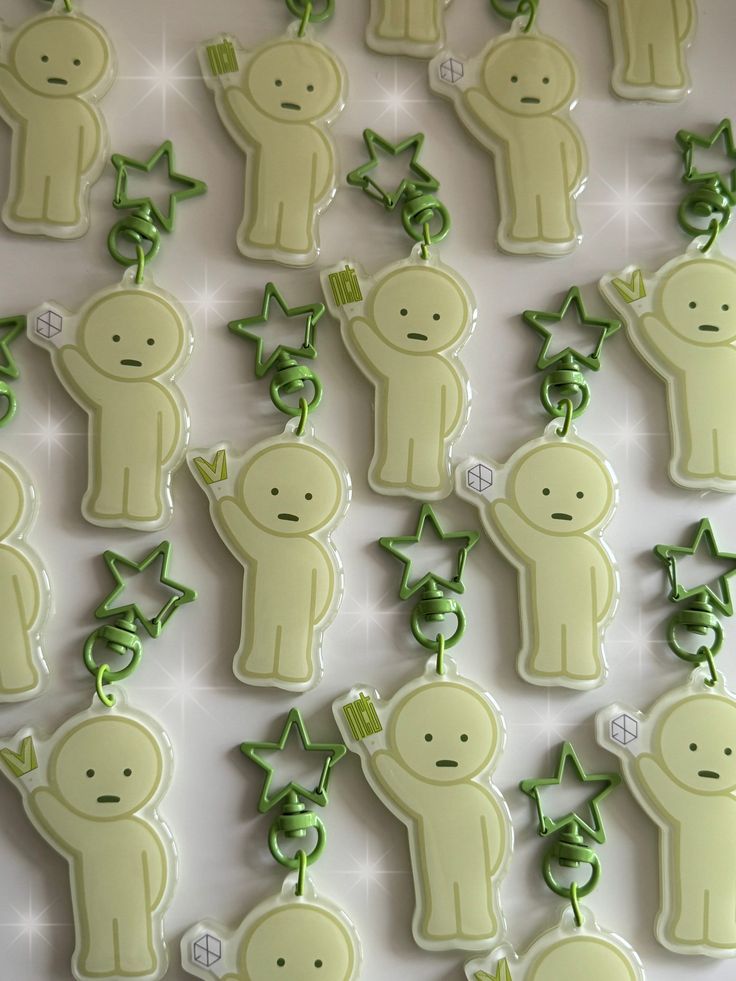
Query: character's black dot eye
[(310, 88), (307, 497), (435, 316), (464, 738), (404, 312), (428, 737), (150, 342), (693, 747), (692, 304), (116, 338), (725, 307), (545, 80), (514, 79), (580, 495), (278, 83), (545, 491), (44, 58), (281, 961), (127, 772), (90, 773), (76, 62), (274, 491), (318, 963), (728, 751)]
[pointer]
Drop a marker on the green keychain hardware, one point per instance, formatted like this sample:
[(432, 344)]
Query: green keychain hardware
[(278, 101), (298, 933), (55, 69), (576, 949), (415, 28), (681, 321), (546, 509), (404, 327), (119, 357), (92, 789), (678, 761), (428, 753), (276, 506), (515, 99)]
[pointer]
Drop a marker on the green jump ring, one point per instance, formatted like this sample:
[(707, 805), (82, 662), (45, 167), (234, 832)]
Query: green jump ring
[(432, 643), (694, 619), (566, 892), (705, 203), (299, 8), (137, 230), (520, 8), (417, 214), (132, 644), (297, 861), (11, 404), (567, 385), (296, 410), (101, 677)]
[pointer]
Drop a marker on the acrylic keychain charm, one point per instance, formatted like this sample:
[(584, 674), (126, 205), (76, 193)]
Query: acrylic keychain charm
[(681, 320), (119, 357), (25, 594), (546, 509), (278, 101), (679, 761), (92, 790), (577, 949), (407, 27), (404, 327), (298, 933), (650, 42), (275, 506), (515, 98), (54, 69), (428, 753)]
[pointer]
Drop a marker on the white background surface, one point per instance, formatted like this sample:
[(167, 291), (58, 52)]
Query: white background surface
[(628, 214)]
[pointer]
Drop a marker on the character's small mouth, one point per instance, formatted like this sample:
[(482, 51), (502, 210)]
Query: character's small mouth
[(285, 516), (57, 81), (561, 516), (291, 105), (108, 799), (132, 363), (709, 327), (417, 337), (710, 774), (446, 763), (531, 99)]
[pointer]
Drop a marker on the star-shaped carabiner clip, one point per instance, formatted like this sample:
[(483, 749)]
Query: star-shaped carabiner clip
[(690, 141), (669, 554), (419, 179), (310, 313), (396, 547), (155, 624), (189, 187), (543, 320), (548, 825), (332, 753), (10, 327)]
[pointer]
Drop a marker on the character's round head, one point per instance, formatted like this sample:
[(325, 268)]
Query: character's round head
[(562, 488), (419, 309), (60, 56), (107, 767), (444, 732), (298, 941), (698, 301), (290, 489), (294, 81), (696, 740), (529, 76), (132, 335), (12, 500), (582, 957)]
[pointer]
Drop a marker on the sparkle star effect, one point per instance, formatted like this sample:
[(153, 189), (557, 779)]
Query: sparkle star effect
[(332, 753), (704, 536), (419, 178), (163, 77), (395, 546), (690, 141), (31, 924), (189, 187), (310, 313), (542, 321), (594, 827), (179, 594)]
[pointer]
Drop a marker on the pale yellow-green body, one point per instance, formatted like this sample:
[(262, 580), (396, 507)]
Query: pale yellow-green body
[(409, 27)]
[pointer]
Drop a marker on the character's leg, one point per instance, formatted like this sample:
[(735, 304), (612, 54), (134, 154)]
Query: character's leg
[(700, 459), (426, 471), (257, 658), (423, 21), (393, 18), (294, 662), (144, 498), (582, 650), (546, 657), (639, 69), (555, 209), (725, 441), (721, 925), (106, 497), (393, 463), (524, 221), (689, 924), (31, 189), (476, 915), (62, 204), (666, 62), (134, 947), (97, 957), (18, 673), (260, 225), (297, 222), (440, 916)]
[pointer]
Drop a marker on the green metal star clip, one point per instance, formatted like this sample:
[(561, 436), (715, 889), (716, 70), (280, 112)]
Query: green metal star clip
[(547, 825), (669, 554), (312, 314), (541, 319), (420, 179), (690, 141), (332, 752), (189, 186), (11, 327), (396, 545), (153, 625)]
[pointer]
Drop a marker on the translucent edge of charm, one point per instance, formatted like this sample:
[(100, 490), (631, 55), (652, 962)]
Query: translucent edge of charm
[(225, 487), (471, 70), (481, 498), (375, 742), (17, 541), (403, 46), (52, 229), (31, 747), (218, 88), (629, 734), (645, 93), (211, 951), (518, 965), (346, 312), (640, 299), (169, 378)]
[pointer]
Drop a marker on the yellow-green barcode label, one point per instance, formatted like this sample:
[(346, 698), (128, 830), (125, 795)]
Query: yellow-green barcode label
[(222, 58), (345, 286), (362, 718)]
